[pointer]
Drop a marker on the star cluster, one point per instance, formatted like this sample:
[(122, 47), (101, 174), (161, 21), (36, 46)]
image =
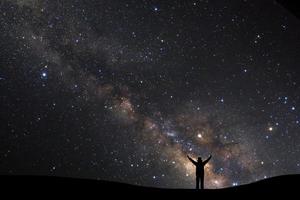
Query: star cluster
[(124, 90)]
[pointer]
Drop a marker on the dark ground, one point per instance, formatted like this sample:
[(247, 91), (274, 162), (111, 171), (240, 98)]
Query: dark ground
[(59, 187)]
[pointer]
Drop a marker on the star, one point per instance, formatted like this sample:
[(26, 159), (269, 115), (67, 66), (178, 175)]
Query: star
[(44, 75), (293, 108), (234, 184)]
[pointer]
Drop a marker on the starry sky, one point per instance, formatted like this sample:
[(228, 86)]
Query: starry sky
[(124, 90)]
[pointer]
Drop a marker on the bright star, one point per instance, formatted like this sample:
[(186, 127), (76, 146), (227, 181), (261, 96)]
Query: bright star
[(293, 108), (44, 75)]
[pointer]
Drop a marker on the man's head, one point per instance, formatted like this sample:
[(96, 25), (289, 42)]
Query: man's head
[(199, 159)]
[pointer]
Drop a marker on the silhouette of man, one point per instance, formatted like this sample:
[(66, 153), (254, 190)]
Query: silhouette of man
[(199, 170)]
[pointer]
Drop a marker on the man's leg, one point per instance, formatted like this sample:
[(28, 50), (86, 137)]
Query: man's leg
[(197, 182), (202, 182)]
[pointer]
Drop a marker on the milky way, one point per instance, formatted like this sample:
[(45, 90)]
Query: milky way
[(125, 90)]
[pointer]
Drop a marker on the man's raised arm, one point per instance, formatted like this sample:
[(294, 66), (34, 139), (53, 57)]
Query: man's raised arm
[(206, 161), (194, 162)]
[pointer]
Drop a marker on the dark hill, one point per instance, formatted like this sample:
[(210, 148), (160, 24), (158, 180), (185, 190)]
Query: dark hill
[(71, 187)]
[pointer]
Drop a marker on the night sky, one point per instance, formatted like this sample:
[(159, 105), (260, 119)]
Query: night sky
[(123, 90)]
